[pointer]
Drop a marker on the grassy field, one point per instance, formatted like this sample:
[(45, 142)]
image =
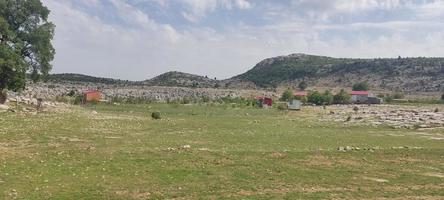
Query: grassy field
[(235, 153)]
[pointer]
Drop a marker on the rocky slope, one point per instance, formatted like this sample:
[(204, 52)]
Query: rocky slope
[(400, 74), (181, 79)]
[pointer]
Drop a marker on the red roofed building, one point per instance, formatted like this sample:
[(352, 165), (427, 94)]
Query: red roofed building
[(300, 94), (91, 95)]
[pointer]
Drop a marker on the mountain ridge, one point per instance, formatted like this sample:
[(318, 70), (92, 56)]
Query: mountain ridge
[(419, 74)]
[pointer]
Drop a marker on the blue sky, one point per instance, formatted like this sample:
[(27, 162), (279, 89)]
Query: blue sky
[(139, 39)]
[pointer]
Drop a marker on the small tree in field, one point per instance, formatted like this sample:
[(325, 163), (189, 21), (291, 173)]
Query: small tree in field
[(361, 86)]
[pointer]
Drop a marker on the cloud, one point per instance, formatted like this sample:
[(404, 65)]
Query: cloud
[(197, 9), (121, 40)]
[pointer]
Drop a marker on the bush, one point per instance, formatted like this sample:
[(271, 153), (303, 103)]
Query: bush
[(398, 95), (361, 86), (315, 97), (156, 115), (327, 98), (78, 100), (442, 97), (342, 97), (388, 99), (282, 107), (356, 109), (302, 85), (287, 95), (71, 93)]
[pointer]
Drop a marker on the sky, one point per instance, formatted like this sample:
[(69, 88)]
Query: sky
[(140, 39)]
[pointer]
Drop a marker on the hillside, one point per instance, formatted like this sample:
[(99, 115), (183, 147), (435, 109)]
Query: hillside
[(69, 77), (181, 79), (400, 74), (392, 74)]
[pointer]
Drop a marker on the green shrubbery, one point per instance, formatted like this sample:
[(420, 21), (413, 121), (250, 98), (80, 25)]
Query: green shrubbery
[(325, 98), (156, 115), (361, 86), (342, 97)]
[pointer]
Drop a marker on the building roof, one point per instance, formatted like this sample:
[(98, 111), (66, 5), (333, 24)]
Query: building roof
[(90, 91), (300, 93), (360, 93)]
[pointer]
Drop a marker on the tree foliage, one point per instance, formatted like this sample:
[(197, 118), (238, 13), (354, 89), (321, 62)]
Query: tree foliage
[(303, 85), (361, 86), (287, 95), (342, 97), (25, 42)]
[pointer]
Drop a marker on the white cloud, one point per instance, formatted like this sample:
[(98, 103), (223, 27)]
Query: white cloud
[(85, 43)]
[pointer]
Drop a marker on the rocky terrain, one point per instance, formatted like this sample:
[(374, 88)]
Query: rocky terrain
[(49, 91), (398, 74), (395, 116), (409, 75)]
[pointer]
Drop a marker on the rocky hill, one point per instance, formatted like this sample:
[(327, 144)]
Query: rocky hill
[(70, 77), (180, 79), (411, 75), (398, 74)]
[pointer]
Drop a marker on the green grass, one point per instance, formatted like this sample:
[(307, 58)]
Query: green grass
[(236, 153)]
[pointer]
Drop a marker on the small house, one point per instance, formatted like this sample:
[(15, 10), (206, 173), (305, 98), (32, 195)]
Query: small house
[(91, 95), (364, 97), (294, 105), (264, 101), (360, 96)]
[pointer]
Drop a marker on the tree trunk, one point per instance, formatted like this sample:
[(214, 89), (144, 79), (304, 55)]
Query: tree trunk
[(3, 97)]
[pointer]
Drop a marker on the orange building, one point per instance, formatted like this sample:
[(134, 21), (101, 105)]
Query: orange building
[(91, 95)]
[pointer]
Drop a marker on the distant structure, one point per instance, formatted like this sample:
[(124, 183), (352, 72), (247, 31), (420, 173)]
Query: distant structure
[(300, 94), (264, 101), (359, 97), (294, 105), (91, 95)]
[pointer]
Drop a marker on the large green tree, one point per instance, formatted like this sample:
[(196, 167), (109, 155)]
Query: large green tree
[(25, 42)]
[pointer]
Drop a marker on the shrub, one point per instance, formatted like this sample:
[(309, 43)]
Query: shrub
[(436, 110), (348, 118), (361, 86), (287, 95), (71, 93), (281, 107), (78, 100), (315, 97), (356, 109), (302, 85), (185, 100), (442, 97), (156, 115), (342, 97), (388, 99), (398, 95), (327, 98)]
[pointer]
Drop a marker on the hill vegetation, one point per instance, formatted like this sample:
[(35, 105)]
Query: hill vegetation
[(401, 74)]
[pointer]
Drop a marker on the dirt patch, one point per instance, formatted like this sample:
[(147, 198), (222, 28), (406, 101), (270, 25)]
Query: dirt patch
[(434, 174), (277, 155), (379, 180)]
